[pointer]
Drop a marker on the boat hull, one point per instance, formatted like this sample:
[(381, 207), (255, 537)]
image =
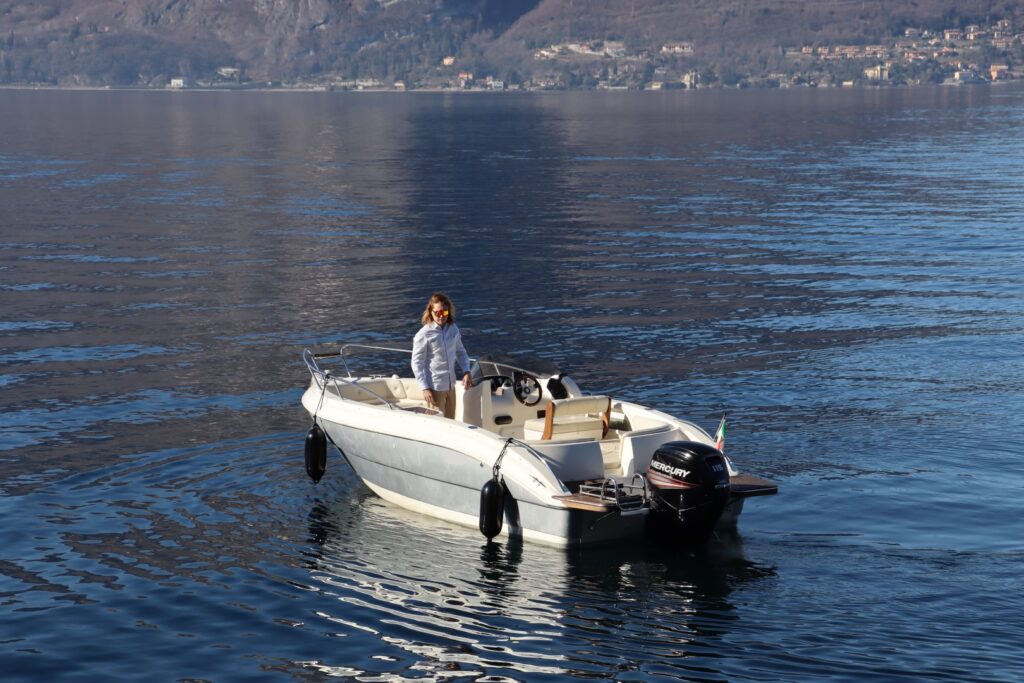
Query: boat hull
[(445, 482)]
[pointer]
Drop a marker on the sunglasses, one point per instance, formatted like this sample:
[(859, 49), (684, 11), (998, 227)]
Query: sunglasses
[(443, 312)]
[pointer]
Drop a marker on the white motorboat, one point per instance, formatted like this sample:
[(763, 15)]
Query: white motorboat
[(529, 453)]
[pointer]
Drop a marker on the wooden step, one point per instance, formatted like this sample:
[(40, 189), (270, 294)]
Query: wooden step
[(748, 486), (581, 501)]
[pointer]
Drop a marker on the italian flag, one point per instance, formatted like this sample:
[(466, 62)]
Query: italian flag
[(720, 436)]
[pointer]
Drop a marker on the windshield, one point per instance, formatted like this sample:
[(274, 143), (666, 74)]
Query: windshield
[(505, 365)]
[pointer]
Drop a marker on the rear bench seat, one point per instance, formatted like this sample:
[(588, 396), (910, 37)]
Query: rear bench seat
[(585, 417)]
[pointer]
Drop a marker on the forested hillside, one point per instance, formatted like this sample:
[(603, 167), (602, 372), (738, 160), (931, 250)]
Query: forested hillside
[(429, 43)]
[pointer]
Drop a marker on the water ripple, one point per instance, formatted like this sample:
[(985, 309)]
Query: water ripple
[(809, 263)]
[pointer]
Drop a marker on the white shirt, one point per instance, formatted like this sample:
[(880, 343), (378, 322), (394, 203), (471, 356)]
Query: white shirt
[(435, 350)]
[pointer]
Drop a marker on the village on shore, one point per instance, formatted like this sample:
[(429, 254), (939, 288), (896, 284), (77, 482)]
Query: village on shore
[(974, 54)]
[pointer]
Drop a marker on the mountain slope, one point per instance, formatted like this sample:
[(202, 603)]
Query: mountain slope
[(144, 42)]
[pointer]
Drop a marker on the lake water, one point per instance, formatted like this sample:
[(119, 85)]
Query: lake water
[(842, 272)]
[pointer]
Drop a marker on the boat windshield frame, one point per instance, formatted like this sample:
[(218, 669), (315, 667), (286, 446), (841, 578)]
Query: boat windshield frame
[(512, 364)]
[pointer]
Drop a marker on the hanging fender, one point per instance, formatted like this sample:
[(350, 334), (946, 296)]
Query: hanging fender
[(316, 453), (316, 442), (492, 499), (492, 508)]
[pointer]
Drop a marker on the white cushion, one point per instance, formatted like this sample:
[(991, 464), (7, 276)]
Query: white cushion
[(371, 391), (582, 405), (572, 427), (396, 387), (571, 418)]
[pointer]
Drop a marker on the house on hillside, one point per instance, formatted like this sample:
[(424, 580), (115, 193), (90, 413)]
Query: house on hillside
[(975, 32), (877, 73), (677, 49), (615, 49)]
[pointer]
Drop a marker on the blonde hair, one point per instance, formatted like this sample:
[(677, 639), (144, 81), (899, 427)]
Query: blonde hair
[(438, 298)]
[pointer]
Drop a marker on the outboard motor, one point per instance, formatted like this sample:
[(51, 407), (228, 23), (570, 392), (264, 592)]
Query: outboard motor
[(689, 490)]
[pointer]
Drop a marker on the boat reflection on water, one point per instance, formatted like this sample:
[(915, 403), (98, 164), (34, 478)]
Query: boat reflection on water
[(429, 596)]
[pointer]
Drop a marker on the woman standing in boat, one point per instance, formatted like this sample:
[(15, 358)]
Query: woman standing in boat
[(436, 349)]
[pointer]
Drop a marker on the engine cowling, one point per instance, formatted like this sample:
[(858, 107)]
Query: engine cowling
[(689, 490)]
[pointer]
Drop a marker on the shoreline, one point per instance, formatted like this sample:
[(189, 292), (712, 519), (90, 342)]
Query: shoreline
[(486, 91)]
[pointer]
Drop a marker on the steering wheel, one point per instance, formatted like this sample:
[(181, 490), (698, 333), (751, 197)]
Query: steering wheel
[(526, 388), (496, 380)]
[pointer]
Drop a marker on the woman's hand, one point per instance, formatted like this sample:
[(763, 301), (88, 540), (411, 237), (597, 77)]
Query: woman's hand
[(467, 381)]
